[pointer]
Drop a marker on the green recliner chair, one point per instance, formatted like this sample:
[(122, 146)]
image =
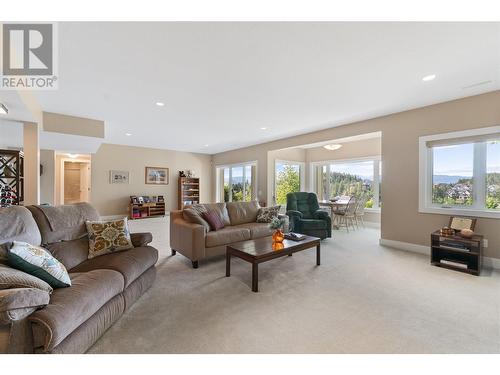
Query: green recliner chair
[(305, 216)]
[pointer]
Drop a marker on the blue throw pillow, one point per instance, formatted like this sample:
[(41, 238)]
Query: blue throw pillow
[(38, 262)]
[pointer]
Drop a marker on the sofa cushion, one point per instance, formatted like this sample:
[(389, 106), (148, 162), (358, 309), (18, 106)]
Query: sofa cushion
[(193, 216), (63, 223), (108, 237), (267, 214), (70, 253), (242, 212), (13, 278), (17, 224), (213, 220), (70, 307), (130, 263), (38, 262), (257, 230), (226, 236), (219, 208)]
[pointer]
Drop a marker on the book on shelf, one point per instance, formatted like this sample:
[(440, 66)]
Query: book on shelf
[(454, 263)]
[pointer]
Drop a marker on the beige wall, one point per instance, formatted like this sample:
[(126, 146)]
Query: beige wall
[(400, 219), (48, 178), (113, 199)]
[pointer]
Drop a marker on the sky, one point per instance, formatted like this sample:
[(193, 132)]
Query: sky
[(457, 160)]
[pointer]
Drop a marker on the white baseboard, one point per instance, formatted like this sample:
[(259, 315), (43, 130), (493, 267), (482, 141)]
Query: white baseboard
[(488, 262)]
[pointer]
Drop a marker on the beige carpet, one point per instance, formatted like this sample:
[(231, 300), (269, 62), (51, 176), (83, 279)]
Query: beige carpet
[(364, 298)]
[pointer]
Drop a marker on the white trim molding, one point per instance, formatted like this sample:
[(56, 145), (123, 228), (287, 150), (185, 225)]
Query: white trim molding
[(488, 262)]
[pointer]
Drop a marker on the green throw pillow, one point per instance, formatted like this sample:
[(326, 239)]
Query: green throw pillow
[(38, 262)]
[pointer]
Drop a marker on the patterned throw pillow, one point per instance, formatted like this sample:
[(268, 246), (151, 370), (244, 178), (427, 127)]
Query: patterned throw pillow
[(38, 262), (108, 237), (266, 214), (213, 220)]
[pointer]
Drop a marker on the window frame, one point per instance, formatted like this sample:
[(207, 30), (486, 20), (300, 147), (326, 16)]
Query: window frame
[(377, 159), (302, 174), (221, 167), (426, 169)]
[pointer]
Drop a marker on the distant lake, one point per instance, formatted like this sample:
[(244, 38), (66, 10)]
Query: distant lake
[(444, 179)]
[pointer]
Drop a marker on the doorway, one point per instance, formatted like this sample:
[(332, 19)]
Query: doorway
[(75, 181)]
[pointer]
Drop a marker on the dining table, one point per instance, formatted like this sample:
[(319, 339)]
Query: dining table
[(335, 205)]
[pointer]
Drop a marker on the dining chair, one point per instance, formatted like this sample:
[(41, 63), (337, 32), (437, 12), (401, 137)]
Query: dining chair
[(347, 216), (359, 213)]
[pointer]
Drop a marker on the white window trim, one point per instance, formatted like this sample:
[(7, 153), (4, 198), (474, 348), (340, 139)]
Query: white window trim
[(230, 166), (302, 172), (425, 204), (376, 175)]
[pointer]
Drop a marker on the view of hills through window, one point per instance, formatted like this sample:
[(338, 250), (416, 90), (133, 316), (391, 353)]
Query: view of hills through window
[(453, 175)]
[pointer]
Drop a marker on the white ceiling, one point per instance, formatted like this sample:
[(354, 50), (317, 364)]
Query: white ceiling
[(222, 82)]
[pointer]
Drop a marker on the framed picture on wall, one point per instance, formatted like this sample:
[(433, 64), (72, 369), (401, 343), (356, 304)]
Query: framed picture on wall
[(118, 177), (156, 176)]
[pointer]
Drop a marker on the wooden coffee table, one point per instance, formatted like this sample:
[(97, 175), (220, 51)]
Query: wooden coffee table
[(261, 250)]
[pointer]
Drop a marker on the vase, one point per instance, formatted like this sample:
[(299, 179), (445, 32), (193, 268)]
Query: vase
[(278, 236)]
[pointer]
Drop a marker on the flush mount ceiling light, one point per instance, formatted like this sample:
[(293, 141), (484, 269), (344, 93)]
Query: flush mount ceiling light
[(160, 104), (430, 77), (332, 147), (3, 109)]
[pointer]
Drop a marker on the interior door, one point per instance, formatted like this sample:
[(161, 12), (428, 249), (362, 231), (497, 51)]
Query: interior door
[(84, 182)]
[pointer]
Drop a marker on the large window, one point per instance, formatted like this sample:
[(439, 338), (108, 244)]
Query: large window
[(349, 178), (287, 179), (236, 182), (460, 173)]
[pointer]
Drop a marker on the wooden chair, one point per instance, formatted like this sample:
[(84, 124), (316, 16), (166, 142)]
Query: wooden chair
[(359, 213), (348, 216)]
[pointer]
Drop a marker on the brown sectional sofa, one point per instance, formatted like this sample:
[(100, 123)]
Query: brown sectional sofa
[(70, 320), (196, 242)]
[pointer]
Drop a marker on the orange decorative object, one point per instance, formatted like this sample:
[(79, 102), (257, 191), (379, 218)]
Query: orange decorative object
[(278, 236), (278, 246)]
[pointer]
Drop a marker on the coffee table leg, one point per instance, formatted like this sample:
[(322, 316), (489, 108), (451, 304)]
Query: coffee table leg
[(255, 277), (318, 254), (228, 263)]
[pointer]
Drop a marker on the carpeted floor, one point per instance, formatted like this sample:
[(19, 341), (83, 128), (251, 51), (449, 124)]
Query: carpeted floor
[(364, 298)]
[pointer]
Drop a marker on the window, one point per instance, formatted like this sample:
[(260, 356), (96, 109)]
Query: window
[(287, 179), (236, 183), (460, 173), (349, 177)]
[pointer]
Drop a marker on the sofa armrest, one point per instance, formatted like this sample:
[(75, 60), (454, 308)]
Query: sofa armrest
[(141, 239), (187, 238), (321, 215), (18, 303), (295, 214)]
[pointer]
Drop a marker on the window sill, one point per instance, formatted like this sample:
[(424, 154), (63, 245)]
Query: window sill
[(460, 211)]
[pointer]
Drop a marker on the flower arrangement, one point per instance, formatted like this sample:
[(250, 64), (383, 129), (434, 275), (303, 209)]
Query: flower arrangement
[(276, 223)]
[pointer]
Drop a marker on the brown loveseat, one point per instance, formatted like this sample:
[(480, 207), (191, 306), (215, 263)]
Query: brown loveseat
[(70, 320), (195, 241)]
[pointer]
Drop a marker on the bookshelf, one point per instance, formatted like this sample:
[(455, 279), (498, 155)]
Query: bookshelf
[(457, 253), (143, 207), (188, 191), (11, 177)]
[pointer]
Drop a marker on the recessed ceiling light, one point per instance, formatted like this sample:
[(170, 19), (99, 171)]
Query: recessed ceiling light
[(160, 104), (205, 146), (332, 147), (128, 134), (430, 77), (3, 109), (263, 128)]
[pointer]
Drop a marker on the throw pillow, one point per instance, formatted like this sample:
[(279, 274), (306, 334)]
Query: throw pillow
[(108, 237), (12, 278), (267, 214), (38, 262), (213, 220), (193, 216)]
